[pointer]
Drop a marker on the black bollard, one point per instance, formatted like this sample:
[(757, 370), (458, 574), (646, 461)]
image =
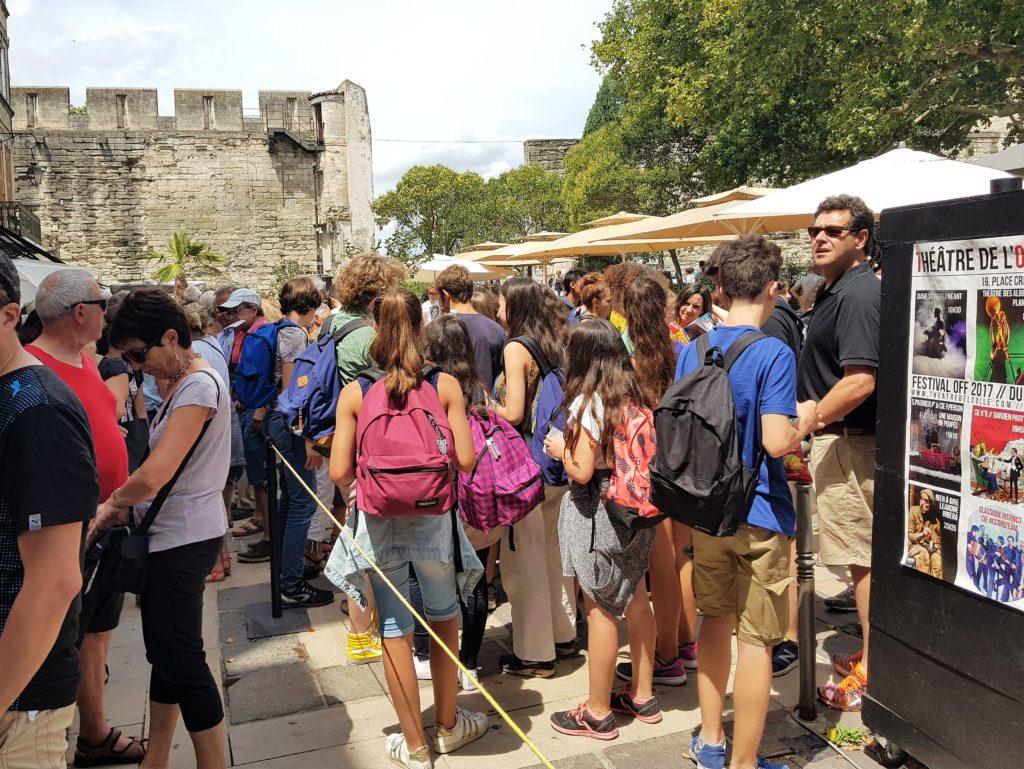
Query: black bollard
[(808, 707), (276, 531)]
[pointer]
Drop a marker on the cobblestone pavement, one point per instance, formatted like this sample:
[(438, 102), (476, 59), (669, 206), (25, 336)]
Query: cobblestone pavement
[(293, 703)]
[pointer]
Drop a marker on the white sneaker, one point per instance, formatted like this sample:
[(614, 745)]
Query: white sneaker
[(469, 726), (398, 751), (466, 683), (422, 668)]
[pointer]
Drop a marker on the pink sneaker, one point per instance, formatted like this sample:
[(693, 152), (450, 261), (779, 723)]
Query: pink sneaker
[(665, 673), (688, 654)]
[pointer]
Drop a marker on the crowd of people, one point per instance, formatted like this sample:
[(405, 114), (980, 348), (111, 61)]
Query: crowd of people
[(159, 411)]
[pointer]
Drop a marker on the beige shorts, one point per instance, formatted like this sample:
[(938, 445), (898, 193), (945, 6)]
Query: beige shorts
[(36, 739), (844, 484), (745, 575)]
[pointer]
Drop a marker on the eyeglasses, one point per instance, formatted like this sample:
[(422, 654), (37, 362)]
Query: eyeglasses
[(139, 356), (832, 232), (101, 303)]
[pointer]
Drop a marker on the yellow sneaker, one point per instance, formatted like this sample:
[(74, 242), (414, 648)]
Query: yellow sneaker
[(363, 648)]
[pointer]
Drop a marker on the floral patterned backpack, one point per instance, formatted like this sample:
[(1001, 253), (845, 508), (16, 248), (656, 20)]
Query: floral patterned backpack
[(628, 499)]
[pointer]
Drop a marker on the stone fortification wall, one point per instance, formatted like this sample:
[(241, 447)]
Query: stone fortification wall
[(112, 183), (549, 154)]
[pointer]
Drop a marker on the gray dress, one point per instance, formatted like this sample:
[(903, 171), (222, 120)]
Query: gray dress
[(607, 558)]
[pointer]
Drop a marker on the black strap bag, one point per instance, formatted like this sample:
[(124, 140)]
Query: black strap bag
[(698, 477), (118, 558)]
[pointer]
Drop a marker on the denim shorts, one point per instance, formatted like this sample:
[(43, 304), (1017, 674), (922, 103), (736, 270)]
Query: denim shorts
[(255, 446), (437, 584)]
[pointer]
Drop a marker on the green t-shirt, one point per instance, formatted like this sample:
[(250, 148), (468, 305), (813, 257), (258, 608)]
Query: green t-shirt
[(354, 350)]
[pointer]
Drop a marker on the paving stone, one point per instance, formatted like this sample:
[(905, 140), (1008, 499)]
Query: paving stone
[(259, 622), (347, 683), (325, 584), (274, 691), (240, 659), (231, 627), (231, 598)]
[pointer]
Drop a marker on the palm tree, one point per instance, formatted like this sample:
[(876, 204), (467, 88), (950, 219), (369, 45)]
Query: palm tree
[(183, 255)]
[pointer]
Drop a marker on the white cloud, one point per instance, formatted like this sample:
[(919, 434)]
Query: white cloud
[(451, 69)]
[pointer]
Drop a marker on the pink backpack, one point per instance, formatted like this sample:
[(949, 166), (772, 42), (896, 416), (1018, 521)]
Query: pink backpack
[(506, 483), (405, 452), (634, 444)]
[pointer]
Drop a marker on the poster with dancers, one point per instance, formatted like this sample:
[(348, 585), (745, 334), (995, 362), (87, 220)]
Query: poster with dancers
[(964, 513)]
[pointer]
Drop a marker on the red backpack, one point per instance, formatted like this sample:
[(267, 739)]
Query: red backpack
[(634, 444), (405, 450)]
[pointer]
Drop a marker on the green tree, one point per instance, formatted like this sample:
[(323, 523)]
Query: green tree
[(523, 201), (433, 210), (183, 257), (783, 90), (607, 106)]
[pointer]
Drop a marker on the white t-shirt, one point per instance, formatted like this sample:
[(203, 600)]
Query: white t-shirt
[(591, 420), (194, 510)]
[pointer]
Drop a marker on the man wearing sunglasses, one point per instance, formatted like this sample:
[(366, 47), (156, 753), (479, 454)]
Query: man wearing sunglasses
[(48, 488), (837, 369), (71, 308)]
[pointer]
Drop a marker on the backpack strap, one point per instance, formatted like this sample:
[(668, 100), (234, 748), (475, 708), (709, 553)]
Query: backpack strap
[(369, 378), (741, 344), (348, 328), (535, 352)]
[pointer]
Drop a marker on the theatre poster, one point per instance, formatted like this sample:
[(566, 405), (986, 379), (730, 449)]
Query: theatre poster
[(964, 502)]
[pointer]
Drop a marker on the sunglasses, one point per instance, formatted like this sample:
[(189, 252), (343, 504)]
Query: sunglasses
[(832, 232), (139, 356), (101, 303)]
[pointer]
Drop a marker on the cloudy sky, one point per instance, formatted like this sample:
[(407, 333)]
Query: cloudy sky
[(443, 70)]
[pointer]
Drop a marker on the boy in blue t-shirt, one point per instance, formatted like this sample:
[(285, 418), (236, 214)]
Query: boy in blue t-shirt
[(740, 581)]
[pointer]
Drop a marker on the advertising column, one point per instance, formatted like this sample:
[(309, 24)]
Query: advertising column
[(964, 513)]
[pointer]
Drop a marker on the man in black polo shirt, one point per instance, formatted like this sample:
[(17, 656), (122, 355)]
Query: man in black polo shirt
[(837, 369), (44, 436)]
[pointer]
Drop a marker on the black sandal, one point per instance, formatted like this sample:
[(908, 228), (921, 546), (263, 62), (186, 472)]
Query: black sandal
[(106, 753)]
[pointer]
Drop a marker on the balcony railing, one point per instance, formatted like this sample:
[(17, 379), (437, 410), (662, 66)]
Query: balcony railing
[(16, 218)]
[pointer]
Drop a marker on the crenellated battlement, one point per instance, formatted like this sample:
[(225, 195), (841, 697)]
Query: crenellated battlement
[(137, 109)]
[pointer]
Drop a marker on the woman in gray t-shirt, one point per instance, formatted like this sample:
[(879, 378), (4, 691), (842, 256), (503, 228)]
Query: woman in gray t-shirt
[(191, 431)]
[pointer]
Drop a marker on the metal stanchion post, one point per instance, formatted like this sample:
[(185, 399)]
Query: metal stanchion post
[(275, 529), (808, 707)]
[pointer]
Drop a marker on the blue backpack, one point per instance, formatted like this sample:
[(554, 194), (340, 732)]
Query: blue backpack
[(547, 413), (311, 400), (255, 384)]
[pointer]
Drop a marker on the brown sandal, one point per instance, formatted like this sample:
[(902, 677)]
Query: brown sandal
[(106, 753)]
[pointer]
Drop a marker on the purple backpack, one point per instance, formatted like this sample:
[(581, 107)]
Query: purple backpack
[(506, 483), (405, 450)]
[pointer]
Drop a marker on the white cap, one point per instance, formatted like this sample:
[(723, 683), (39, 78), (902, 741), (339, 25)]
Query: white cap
[(242, 296)]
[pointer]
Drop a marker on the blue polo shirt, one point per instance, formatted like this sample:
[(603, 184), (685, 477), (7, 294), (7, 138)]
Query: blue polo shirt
[(763, 381)]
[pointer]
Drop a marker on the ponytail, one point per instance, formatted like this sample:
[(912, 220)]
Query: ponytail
[(398, 317)]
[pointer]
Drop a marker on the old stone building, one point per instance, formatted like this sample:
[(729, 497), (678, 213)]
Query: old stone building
[(549, 154), (289, 182)]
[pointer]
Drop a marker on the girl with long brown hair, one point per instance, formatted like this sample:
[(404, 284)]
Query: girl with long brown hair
[(606, 555), (644, 303), (425, 541), (543, 601)]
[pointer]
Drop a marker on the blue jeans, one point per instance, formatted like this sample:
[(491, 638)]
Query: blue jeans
[(255, 447), (437, 586), (296, 506)]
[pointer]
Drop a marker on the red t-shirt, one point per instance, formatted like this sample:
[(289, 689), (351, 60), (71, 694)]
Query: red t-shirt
[(101, 410)]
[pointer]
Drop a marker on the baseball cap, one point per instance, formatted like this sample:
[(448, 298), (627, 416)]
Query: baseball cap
[(241, 296)]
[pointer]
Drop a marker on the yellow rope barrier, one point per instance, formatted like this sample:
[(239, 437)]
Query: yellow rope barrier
[(437, 639)]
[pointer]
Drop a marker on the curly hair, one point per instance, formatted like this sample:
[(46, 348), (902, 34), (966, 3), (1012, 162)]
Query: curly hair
[(364, 278), (653, 357), (618, 277)]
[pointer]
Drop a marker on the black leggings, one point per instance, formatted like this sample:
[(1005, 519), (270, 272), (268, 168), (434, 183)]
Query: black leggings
[(172, 629), (474, 618)]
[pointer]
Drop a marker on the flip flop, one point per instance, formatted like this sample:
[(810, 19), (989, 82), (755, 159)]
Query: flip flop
[(247, 529), (106, 753)]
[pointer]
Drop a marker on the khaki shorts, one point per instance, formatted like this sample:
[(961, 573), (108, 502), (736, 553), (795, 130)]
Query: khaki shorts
[(36, 739), (745, 575), (844, 483)]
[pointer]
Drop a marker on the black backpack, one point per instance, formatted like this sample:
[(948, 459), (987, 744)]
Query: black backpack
[(698, 477)]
